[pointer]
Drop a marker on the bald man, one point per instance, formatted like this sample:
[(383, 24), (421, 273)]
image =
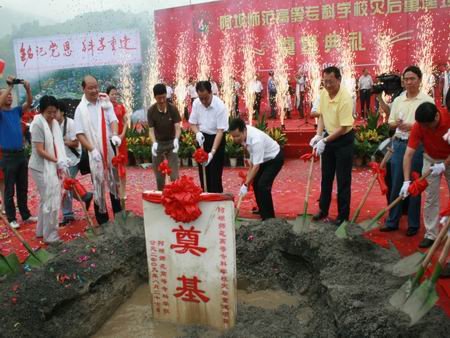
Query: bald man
[(96, 127)]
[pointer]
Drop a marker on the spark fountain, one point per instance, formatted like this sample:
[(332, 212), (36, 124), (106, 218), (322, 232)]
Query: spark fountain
[(181, 73), (281, 77), (227, 72), (346, 61), (249, 76), (313, 69), (151, 69), (203, 59), (126, 86), (423, 56), (384, 43)]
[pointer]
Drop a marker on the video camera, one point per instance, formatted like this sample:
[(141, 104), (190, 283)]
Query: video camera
[(391, 84), (15, 81)]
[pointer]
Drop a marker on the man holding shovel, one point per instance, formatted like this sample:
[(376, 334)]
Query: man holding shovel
[(164, 123), (430, 127), (335, 142)]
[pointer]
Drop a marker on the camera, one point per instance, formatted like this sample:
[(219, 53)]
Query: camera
[(15, 81), (391, 84)]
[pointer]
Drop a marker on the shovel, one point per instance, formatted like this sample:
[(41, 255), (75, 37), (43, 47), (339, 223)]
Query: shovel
[(401, 295), (425, 296), (36, 258), (9, 264), (301, 223), (373, 223), (120, 185), (341, 232)]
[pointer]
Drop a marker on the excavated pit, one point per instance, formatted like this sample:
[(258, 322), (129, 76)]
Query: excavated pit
[(291, 284)]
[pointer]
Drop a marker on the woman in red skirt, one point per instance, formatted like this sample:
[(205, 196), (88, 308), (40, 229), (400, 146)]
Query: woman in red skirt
[(121, 114)]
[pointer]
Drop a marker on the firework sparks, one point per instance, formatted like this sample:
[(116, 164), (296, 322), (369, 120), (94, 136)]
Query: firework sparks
[(346, 60), (151, 69), (227, 72), (249, 76), (126, 85), (384, 42), (181, 73), (203, 59), (424, 52), (313, 69), (281, 76)]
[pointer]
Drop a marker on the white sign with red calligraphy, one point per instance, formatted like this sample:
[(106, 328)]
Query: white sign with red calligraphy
[(76, 50), (192, 266)]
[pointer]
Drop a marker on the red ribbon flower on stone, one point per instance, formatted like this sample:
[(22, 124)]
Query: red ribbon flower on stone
[(418, 185), (200, 156), (307, 157), (180, 200), (119, 162), (164, 168), (381, 174)]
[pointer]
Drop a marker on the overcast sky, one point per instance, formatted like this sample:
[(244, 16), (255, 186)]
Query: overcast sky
[(61, 10)]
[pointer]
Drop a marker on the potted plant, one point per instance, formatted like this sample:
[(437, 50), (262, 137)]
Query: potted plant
[(232, 150), (277, 135), (185, 153)]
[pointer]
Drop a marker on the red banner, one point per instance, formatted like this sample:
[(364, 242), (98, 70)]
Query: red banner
[(299, 23)]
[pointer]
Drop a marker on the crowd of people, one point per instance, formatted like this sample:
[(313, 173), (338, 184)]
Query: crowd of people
[(62, 146)]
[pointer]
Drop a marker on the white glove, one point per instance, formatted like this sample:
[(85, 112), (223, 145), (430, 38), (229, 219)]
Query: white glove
[(96, 156), (404, 190), (243, 191), (314, 140), (446, 137), (444, 220), (200, 138), (116, 140), (210, 157), (437, 169), (319, 147), (62, 164), (154, 148), (176, 145)]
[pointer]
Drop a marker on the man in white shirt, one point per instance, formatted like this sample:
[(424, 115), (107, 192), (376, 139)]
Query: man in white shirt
[(209, 122), (257, 88), (300, 91), (236, 89), (401, 119), (169, 91), (214, 87), (73, 152), (96, 128), (365, 90), (266, 161)]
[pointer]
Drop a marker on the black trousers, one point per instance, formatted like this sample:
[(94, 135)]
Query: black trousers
[(364, 96), (214, 169), (103, 217), (273, 105), (15, 169), (262, 185), (257, 104), (337, 159), (300, 104)]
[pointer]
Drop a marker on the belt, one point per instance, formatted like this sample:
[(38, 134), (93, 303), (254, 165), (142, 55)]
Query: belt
[(11, 151)]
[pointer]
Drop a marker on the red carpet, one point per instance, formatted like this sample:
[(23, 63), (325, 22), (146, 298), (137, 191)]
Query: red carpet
[(288, 193)]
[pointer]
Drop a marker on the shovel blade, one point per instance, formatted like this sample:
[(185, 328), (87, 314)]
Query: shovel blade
[(369, 224), (38, 257), (9, 264), (408, 265), (301, 223), (399, 298), (341, 231), (421, 301)]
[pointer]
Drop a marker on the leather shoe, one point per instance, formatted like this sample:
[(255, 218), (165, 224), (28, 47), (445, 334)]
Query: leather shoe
[(445, 271), (411, 232), (385, 228), (426, 243), (320, 215)]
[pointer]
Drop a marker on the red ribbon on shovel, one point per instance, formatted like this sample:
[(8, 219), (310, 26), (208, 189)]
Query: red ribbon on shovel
[(417, 186), (72, 184), (119, 162), (381, 174), (164, 168), (200, 155), (306, 157)]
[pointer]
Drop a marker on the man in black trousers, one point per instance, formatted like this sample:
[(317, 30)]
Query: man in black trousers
[(334, 141), (209, 122), (266, 161)]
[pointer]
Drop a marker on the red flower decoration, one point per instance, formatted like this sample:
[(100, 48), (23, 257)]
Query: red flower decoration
[(164, 167), (72, 184), (381, 174), (306, 157), (120, 162), (180, 200), (200, 156), (418, 185)]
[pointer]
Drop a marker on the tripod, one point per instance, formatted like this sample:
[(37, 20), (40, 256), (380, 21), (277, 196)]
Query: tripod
[(306, 111)]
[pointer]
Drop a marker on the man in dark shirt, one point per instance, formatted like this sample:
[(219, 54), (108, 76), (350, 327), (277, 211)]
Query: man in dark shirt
[(14, 162), (164, 122)]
